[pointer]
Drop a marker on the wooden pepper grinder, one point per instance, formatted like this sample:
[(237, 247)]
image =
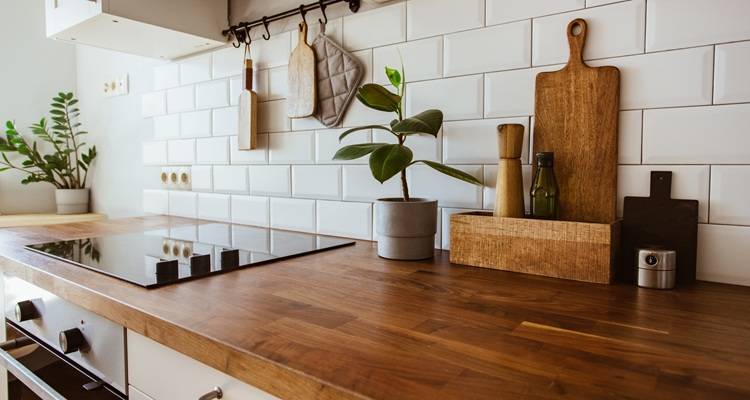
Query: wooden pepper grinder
[(509, 187)]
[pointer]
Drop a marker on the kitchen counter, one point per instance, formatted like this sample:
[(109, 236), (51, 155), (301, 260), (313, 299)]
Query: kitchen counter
[(345, 324)]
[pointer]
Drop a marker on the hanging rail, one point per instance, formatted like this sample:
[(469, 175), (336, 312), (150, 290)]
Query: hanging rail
[(241, 31)]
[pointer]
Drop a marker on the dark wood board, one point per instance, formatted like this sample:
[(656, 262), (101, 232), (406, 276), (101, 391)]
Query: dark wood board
[(577, 112), (662, 221)]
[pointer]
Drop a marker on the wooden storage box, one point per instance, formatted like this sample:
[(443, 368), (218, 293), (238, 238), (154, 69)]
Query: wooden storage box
[(562, 249)]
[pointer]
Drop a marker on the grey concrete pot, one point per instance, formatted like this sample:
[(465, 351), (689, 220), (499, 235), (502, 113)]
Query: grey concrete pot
[(406, 230), (72, 201)]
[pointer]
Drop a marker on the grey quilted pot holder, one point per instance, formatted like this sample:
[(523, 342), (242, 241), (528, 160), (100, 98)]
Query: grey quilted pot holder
[(339, 74)]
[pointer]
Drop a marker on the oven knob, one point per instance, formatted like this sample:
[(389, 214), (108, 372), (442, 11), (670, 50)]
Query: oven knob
[(72, 340), (26, 310)]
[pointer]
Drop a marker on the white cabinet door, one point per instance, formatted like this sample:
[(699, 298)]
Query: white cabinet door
[(135, 394), (63, 14)]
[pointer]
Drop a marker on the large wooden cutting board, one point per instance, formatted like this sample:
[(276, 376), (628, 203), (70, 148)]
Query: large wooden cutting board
[(576, 112), (301, 99)]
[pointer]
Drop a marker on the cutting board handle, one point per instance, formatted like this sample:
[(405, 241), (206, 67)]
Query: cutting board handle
[(577, 40), (661, 184), (302, 32)]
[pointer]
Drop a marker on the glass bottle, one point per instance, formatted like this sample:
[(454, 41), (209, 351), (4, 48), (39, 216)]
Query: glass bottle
[(545, 199)]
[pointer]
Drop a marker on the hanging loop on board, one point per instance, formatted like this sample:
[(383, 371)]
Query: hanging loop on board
[(266, 35), (302, 12), (323, 10)]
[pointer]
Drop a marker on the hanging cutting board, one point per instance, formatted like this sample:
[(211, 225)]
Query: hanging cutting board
[(301, 98), (248, 125), (576, 111), (659, 220)]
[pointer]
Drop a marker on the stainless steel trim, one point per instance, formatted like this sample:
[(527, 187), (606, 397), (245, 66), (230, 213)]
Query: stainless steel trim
[(214, 394), (33, 382)]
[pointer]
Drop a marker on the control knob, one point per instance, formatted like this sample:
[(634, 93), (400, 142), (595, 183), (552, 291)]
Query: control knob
[(72, 340), (26, 310)]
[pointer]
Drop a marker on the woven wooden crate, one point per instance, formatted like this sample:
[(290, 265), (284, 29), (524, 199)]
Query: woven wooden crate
[(562, 249)]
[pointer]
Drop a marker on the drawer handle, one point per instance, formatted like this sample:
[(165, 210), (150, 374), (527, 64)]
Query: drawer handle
[(214, 394), (23, 374)]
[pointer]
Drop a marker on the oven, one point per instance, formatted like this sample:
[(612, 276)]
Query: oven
[(56, 350)]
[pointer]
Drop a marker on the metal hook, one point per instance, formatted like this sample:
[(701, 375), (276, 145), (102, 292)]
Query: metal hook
[(302, 12), (266, 35), (323, 10), (248, 39), (354, 5), (236, 38)]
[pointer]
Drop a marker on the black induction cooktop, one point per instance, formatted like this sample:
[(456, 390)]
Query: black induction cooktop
[(161, 257)]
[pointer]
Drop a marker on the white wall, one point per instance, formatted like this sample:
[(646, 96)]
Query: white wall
[(34, 69)]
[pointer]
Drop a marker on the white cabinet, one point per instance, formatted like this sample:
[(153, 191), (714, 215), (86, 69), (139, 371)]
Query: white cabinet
[(160, 373), (135, 394), (154, 28)]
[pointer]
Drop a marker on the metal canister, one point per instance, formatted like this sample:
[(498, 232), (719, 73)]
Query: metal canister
[(657, 268)]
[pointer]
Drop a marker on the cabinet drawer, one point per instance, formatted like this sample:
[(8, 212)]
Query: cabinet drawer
[(164, 374)]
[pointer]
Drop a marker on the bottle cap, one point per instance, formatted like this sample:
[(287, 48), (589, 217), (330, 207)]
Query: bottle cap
[(545, 159)]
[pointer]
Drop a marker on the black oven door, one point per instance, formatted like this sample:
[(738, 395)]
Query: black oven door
[(36, 371)]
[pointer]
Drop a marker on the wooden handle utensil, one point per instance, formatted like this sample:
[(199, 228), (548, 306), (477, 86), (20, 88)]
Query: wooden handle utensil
[(509, 187), (248, 125)]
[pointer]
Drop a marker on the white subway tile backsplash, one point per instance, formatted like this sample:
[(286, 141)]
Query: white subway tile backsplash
[(729, 195), (375, 28), (273, 52), (201, 177), (428, 183), (195, 124), (722, 254), (316, 181), (166, 126), (359, 185), (467, 53), (183, 204), (257, 156), (422, 59), (475, 141), (629, 137), (327, 144), (214, 207), (227, 62), (594, 3), (225, 121), (690, 182), (339, 218), (277, 83), (293, 214), (154, 153), (436, 17), (511, 93), (272, 117), (212, 94), (196, 69), (500, 11), (306, 124), (291, 147), (250, 210), (684, 23), (156, 202), (270, 180), (153, 104), (616, 30), (697, 135), (180, 99), (213, 150), (181, 151), (458, 98), (731, 81), (235, 87), (230, 179), (166, 76)]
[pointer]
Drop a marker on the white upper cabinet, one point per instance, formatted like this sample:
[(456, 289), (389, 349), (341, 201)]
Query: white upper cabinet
[(165, 29)]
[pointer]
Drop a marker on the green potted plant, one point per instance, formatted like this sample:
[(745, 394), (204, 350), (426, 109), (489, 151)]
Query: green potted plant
[(405, 226), (66, 167)]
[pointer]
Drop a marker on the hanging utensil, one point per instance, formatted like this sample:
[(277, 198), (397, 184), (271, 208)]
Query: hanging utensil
[(302, 99), (248, 124)]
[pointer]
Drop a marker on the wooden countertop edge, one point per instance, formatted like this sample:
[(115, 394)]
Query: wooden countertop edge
[(265, 374)]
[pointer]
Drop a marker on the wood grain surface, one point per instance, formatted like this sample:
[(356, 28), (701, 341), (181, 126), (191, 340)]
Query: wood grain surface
[(302, 93), (11, 220), (346, 324), (509, 184), (576, 118), (248, 106)]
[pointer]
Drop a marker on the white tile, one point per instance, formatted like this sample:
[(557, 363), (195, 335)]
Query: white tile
[(195, 124), (196, 69), (467, 53), (291, 147), (153, 104), (257, 156), (475, 142), (167, 126), (212, 94), (181, 151), (446, 224), (272, 117), (270, 180), (227, 62), (510, 93), (683, 23), (458, 98), (729, 194), (154, 153), (293, 214), (374, 28), (629, 137), (449, 192), (185, 232), (365, 59), (357, 115), (201, 177), (225, 121), (235, 87), (594, 3), (183, 204), (277, 83), (359, 185), (327, 144), (697, 135), (213, 207), (615, 30), (436, 17), (260, 85), (219, 235), (156, 202), (723, 254), (316, 181), (500, 11), (666, 79), (250, 210), (731, 82), (231, 179), (689, 182), (490, 184), (306, 124), (273, 52), (213, 150), (166, 76), (424, 147), (346, 219), (181, 99), (423, 59)]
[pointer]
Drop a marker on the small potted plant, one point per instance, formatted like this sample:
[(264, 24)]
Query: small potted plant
[(405, 226), (66, 168)]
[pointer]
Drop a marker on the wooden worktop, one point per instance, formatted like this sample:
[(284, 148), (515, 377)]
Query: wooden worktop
[(345, 324)]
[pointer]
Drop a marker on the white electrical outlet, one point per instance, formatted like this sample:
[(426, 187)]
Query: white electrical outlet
[(116, 87)]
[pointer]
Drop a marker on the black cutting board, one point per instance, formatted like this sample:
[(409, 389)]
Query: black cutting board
[(659, 220)]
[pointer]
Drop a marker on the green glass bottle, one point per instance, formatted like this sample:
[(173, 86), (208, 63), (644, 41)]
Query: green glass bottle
[(545, 199)]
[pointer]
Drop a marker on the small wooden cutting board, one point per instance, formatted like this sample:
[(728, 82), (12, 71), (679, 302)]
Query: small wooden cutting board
[(301, 99), (247, 138), (576, 112)]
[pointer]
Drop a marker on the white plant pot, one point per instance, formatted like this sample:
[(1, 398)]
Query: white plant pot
[(406, 230), (72, 201)]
